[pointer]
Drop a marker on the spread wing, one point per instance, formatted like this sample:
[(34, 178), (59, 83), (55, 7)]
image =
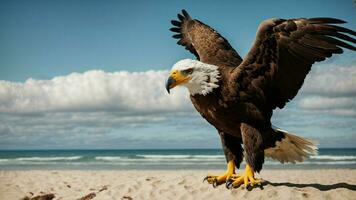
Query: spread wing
[(282, 55), (204, 42)]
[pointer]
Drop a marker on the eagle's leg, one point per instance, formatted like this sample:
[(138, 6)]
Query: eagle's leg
[(229, 174), (247, 178), (254, 156), (233, 154)]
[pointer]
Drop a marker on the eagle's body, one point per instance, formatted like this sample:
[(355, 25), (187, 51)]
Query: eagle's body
[(228, 113), (238, 96)]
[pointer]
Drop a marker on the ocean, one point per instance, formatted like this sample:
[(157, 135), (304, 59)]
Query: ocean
[(172, 159)]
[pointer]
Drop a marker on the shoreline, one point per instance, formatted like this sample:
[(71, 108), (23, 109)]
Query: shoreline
[(242, 167), (175, 184), (153, 159)]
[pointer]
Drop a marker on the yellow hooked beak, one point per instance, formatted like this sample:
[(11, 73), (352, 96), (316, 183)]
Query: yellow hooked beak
[(176, 78)]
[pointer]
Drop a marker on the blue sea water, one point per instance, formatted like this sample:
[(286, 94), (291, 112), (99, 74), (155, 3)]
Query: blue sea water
[(155, 159)]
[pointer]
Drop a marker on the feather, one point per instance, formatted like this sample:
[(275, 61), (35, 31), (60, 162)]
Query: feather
[(335, 29), (180, 42), (176, 23), (319, 54), (174, 29), (177, 36), (185, 13), (303, 53), (180, 17), (343, 29), (343, 36), (291, 148), (324, 20), (314, 41), (338, 42)]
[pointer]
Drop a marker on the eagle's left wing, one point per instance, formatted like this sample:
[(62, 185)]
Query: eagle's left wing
[(204, 42), (282, 55)]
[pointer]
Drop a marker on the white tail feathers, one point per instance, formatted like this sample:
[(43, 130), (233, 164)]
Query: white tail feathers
[(291, 148)]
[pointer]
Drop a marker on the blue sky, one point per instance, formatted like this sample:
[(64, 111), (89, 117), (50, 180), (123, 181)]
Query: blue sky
[(64, 83)]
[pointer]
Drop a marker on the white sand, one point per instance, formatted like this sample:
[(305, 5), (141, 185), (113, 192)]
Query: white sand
[(285, 184)]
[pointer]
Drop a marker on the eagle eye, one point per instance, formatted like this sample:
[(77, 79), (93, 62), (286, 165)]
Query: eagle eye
[(188, 71)]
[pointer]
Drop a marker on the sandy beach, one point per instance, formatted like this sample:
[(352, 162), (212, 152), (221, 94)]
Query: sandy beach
[(181, 184)]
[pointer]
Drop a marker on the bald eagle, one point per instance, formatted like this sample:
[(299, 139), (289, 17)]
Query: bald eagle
[(237, 96)]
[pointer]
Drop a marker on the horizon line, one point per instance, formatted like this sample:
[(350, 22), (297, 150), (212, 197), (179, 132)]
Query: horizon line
[(141, 149)]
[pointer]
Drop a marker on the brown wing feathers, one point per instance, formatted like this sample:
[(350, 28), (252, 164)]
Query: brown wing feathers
[(181, 28), (204, 42), (315, 39)]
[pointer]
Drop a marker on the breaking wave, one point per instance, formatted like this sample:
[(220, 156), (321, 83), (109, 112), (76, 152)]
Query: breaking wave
[(156, 159)]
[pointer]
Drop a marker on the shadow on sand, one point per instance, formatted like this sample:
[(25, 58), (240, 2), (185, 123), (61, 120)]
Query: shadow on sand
[(318, 186)]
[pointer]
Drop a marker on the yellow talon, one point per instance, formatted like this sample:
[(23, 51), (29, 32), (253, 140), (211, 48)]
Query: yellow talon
[(246, 179), (217, 180)]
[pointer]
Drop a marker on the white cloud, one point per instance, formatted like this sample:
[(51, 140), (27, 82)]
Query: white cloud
[(318, 102), (325, 105), (331, 81), (90, 106), (330, 90), (92, 91), (341, 106)]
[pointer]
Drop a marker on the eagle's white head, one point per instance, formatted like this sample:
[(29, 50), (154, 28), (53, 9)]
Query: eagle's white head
[(198, 77)]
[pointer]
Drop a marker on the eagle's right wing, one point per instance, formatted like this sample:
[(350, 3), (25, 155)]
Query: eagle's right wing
[(204, 42)]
